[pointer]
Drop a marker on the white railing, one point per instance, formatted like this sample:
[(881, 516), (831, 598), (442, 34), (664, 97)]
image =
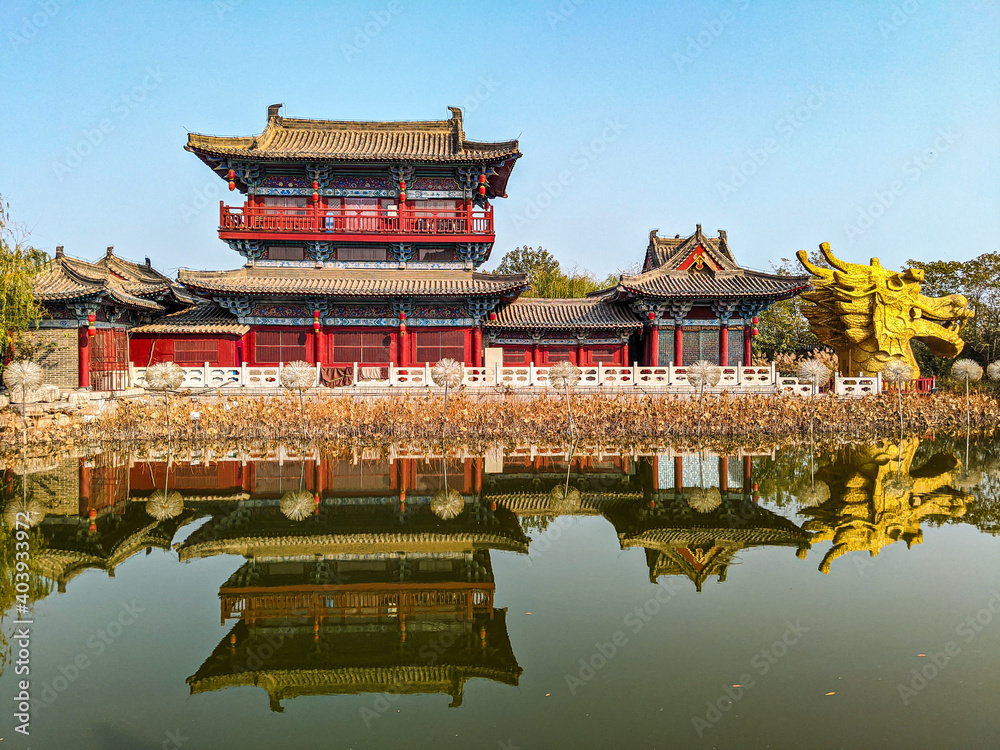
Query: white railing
[(859, 386), (735, 379)]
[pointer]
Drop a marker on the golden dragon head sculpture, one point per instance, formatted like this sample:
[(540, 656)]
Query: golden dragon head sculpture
[(869, 314)]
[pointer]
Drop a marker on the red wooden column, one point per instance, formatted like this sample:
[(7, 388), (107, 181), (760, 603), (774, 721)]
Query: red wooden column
[(723, 474), (678, 473), (579, 354), (536, 354), (86, 485), (404, 358), (747, 347), (477, 477), (724, 344), (678, 345), (747, 470), (84, 358), (477, 345), (320, 345), (623, 355), (654, 344)]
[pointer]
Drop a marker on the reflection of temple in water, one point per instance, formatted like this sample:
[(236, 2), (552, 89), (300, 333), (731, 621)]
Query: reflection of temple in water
[(376, 588), (878, 497), (691, 513)]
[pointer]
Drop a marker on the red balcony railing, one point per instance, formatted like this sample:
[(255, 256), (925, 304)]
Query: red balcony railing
[(320, 219)]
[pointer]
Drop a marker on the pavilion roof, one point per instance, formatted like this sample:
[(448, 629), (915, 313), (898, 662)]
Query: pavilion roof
[(294, 139), (554, 314), (358, 283), (204, 318), (114, 279), (668, 272)]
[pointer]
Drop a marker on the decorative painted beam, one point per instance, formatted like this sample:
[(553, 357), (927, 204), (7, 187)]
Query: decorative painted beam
[(480, 307), (473, 252), (250, 249)]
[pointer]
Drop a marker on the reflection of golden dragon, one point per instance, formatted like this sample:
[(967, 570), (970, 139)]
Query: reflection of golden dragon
[(879, 499), (869, 314)]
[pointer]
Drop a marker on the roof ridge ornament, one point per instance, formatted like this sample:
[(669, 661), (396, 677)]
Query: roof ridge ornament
[(272, 111)]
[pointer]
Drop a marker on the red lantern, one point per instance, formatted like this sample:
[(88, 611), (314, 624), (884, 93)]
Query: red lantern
[(493, 506), (402, 316), (402, 196), (754, 320), (316, 326), (402, 184), (652, 316), (755, 332), (315, 190), (482, 189), (92, 513), (232, 179), (91, 328), (493, 316)]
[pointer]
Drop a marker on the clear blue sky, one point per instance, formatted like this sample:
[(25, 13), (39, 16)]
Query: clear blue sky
[(871, 125)]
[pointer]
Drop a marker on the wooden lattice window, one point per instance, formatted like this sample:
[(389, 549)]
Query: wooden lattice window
[(700, 344), (196, 351), (363, 347), (517, 355), (433, 346), (556, 354), (272, 347), (109, 360), (607, 355), (735, 338)]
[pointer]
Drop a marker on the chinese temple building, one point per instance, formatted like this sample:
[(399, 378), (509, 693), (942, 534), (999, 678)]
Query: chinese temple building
[(363, 243), (89, 310)]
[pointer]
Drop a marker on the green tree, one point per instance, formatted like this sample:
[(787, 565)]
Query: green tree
[(535, 262), (979, 280), (547, 278), (20, 264), (783, 328)]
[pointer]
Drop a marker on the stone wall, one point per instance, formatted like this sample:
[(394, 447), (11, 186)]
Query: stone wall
[(58, 354)]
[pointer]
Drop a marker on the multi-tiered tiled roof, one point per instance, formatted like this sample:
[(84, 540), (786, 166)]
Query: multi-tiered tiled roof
[(111, 280), (356, 283), (565, 314), (287, 139), (702, 268)]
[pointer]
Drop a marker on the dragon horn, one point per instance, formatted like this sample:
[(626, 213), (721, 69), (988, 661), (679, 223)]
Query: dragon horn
[(832, 259), (823, 273)]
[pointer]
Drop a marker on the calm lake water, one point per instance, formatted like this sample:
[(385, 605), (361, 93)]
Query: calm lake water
[(519, 599)]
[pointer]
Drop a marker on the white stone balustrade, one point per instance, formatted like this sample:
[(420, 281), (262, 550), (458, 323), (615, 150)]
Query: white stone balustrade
[(672, 378)]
